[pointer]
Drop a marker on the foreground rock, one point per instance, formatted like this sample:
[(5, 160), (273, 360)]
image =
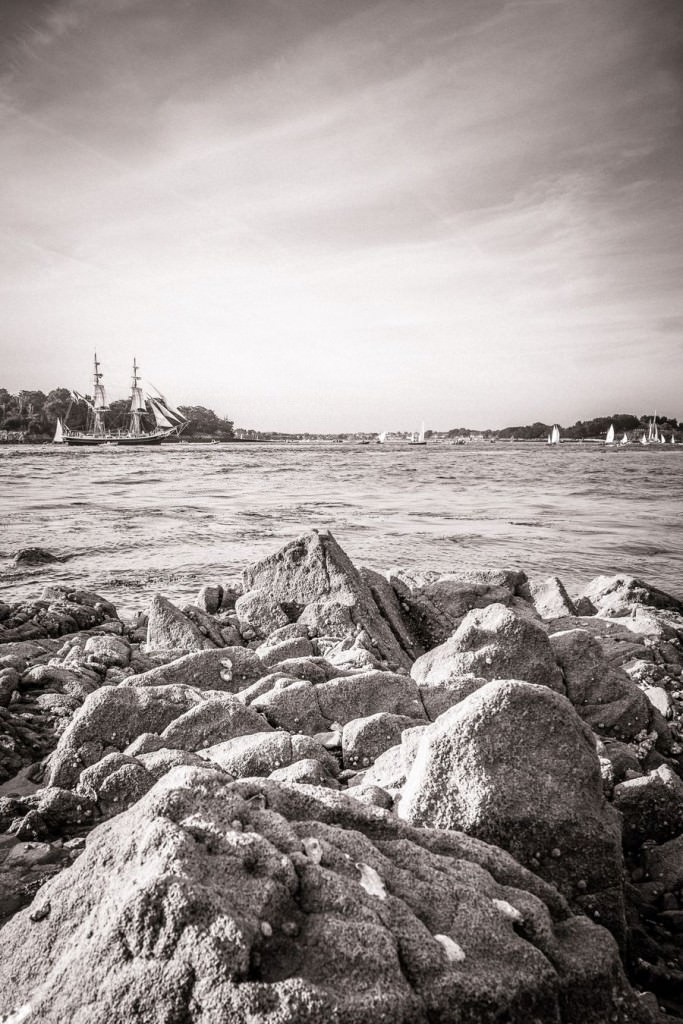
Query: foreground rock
[(112, 718), (603, 695), (494, 643), (261, 902), (435, 603), (514, 765), (619, 595)]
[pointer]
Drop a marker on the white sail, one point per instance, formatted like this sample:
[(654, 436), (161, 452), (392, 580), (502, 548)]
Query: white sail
[(381, 438), (159, 417), (555, 436), (168, 409), (610, 435), (421, 438), (59, 433), (624, 439), (100, 398), (643, 439), (137, 400)]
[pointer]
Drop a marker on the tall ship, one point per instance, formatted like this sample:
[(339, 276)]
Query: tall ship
[(151, 418)]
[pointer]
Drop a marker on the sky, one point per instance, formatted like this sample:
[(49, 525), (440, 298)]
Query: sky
[(336, 215)]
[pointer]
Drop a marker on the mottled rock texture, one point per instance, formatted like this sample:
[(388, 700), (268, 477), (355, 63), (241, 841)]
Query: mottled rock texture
[(313, 580), (514, 765), (495, 643), (259, 902)]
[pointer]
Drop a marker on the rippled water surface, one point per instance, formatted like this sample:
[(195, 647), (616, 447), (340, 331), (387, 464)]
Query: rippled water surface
[(172, 518)]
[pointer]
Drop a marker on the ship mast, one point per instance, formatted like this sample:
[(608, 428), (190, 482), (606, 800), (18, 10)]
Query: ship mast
[(99, 405), (137, 402)]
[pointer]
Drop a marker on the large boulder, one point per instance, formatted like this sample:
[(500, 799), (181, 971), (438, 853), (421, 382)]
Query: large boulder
[(115, 783), (257, 902), (513, 764), (603, 695), (549, 598), (439, 697), (619, 595), (367, 693), (109, 720), (168, 628), (494, 643), (213, 721), (364, 739), (314, 581), (292, 704), (652, 806), (259, 615), (226, 668), (665, 865), (434, 603), (109, 651)]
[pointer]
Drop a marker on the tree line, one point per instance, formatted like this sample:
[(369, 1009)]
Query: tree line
[(35, 414), (624, 423)]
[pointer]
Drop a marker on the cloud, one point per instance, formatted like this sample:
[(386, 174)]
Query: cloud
[(357, 200)]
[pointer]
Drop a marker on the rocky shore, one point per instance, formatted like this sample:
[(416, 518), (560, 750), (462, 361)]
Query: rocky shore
[(322, 794)]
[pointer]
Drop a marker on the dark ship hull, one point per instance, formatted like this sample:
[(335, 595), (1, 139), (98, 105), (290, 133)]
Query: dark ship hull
[(107, 440)]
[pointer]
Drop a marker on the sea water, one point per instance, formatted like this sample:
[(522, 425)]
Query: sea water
[(130, 522)]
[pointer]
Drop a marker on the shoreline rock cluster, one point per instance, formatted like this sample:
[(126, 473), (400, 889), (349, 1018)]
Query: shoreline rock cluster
[(326, 794)]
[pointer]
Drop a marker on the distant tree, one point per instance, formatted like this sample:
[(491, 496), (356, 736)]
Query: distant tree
[(118, 415), (56, 406), (204, 421), (527, 433)]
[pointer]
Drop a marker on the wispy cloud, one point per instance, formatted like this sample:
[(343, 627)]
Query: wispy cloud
[(447, 205)]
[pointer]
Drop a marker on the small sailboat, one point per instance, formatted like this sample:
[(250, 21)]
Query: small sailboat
[(554, 435), (418, 436), (168, 421), (381, 438), (644, 439), (624, 439), (610, 435)]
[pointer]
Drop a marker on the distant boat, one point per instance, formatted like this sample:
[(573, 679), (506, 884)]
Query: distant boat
[(381, 438), (644, 439), (653, 431), (418, 436), (554, 435), (610, 435), (168, 422), (624, 440)]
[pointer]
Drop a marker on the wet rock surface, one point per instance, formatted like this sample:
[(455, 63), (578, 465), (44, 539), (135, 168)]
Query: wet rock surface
[(333, 795)]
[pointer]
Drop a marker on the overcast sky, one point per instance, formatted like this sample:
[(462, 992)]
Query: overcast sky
[(337, 215)]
